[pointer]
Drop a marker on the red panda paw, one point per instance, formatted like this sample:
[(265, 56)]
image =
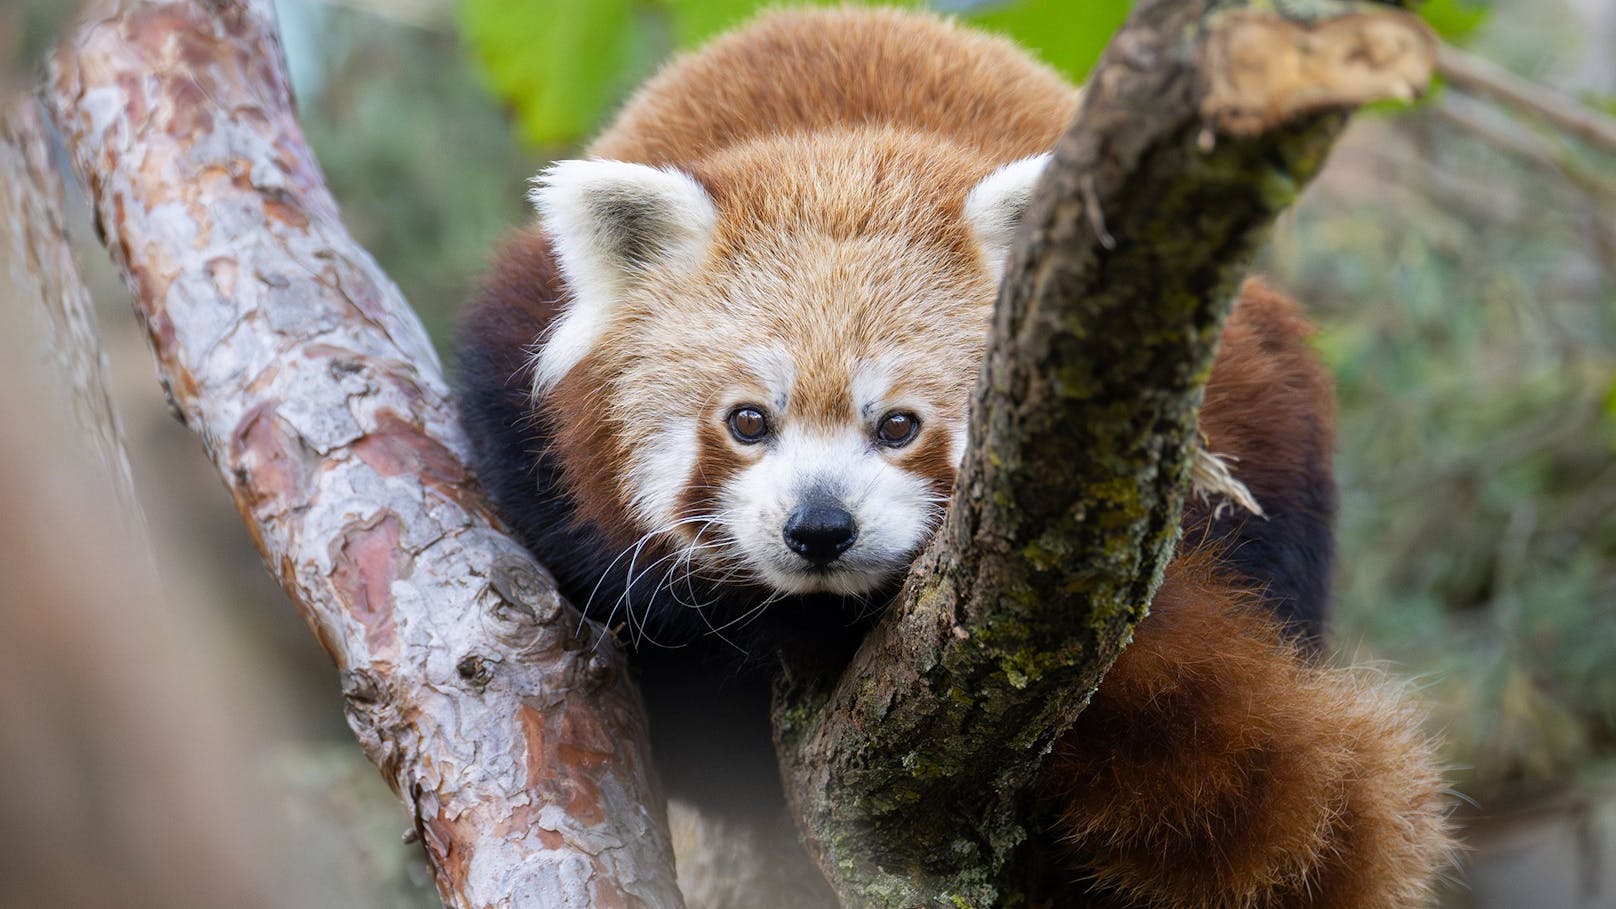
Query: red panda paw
[(1218, 769)]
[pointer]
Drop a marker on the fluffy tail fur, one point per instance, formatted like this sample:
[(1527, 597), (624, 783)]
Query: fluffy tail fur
[(1219, 768)]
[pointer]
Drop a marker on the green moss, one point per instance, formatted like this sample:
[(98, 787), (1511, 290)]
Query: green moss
[(921, 767), (1049, 551), (1076, 381)]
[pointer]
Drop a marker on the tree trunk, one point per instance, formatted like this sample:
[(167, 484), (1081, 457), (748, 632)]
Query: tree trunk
[(910, 772), (500, 716), (506, 723)]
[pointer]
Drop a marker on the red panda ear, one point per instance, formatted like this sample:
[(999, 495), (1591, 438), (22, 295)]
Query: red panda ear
[(994, 208), (611, 223)]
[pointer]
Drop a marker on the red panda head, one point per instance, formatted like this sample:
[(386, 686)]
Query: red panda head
[(765, 360)]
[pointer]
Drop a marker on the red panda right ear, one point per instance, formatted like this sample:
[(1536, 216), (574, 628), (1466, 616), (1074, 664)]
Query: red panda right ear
[(994, 208), (611, 223)]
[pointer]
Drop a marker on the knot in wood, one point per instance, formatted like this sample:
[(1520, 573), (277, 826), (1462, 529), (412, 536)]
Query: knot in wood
[(342, 367), (598, 669), (360, 688), (524, 596), (476, 671)]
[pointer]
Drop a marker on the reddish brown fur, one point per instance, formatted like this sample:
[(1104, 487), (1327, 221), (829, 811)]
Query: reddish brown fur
[(1219, 768), (1265, 383), (932, 457), (716, 464), (594, 453)]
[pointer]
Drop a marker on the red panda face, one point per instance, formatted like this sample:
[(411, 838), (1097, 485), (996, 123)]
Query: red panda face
[(769, 401)]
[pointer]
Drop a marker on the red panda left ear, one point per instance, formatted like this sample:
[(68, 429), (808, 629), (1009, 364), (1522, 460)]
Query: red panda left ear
[(994, 208), (611, 223)]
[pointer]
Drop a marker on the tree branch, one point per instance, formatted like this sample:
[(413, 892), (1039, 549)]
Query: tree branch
[(505, 722), (910, 771), (1476, 76)]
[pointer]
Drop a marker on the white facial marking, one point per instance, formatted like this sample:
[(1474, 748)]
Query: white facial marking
[(659, 470), (957, 432), (995, 206), (871, 381), (612, 222), (774, 370)]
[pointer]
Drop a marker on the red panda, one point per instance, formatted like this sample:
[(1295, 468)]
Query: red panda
[(721, 389)]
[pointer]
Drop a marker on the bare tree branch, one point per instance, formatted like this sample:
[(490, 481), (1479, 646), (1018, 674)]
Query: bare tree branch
[(506, 724), (1490, 126), (1476, 76), (910, 772)]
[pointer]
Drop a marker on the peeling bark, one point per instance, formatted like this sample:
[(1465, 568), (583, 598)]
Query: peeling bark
[(910, 772), (505, 722)]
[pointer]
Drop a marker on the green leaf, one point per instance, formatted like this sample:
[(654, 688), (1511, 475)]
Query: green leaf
[(1067, 35), (558, 63), (1455, 20), (694, 21)]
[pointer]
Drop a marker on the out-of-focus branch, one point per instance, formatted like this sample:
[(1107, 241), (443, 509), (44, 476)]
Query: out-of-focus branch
[(1477, 76), (39, 267), (1475, 118), (910, 772), (110, 743), (507, 725)]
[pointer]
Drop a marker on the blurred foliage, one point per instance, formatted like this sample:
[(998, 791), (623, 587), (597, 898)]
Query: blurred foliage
[(426, 168), (1475, 363), (561, 64), (1455, 20), (26, 29), (339, 805)]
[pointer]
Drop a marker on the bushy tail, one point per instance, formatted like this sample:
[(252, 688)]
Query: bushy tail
[(1219, 768)]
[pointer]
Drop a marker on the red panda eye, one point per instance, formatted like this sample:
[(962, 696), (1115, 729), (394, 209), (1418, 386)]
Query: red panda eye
[(897, 429), (748, 425)]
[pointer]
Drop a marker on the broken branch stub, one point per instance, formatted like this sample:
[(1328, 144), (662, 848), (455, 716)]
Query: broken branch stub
[(1263, 70)]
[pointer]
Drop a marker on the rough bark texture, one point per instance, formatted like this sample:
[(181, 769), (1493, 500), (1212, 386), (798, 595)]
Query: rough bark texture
[(506, 724), (910, 771)]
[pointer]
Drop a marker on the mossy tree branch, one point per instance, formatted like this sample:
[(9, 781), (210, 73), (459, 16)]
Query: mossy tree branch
[(910, 772)]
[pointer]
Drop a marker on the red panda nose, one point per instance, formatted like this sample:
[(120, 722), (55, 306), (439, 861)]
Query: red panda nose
[(820, 532)]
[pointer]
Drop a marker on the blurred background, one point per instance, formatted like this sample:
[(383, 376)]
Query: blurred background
[(1459, 257)]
